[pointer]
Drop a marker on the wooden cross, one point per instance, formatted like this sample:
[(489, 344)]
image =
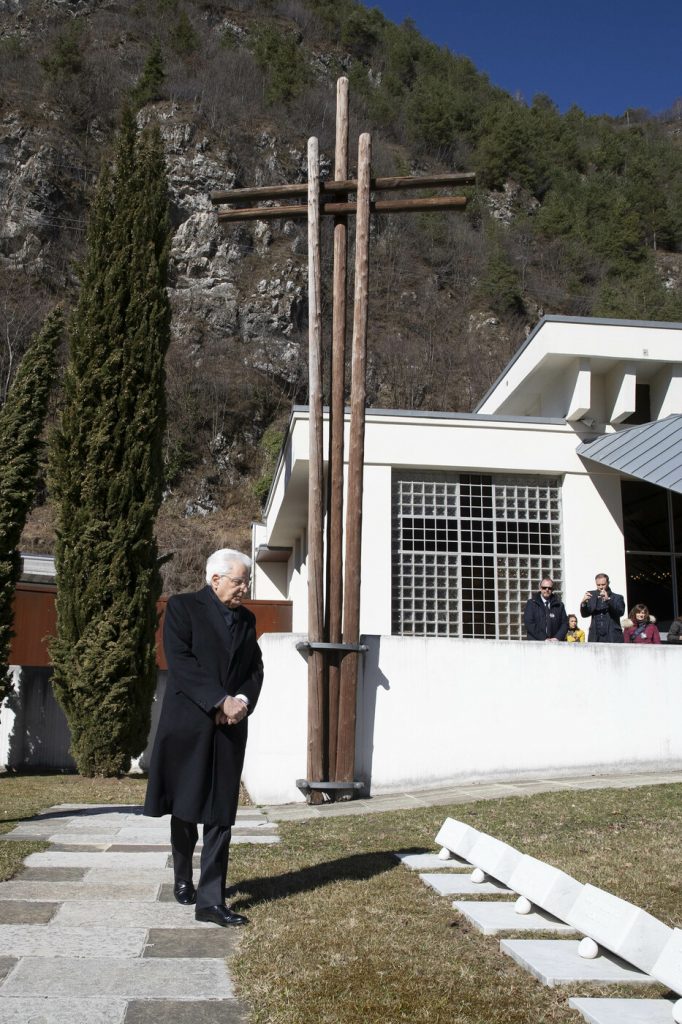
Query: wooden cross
[(334, 615)]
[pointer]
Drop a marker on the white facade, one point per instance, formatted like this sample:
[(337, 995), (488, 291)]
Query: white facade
[(437, 709), (591, 510), (571, 381)]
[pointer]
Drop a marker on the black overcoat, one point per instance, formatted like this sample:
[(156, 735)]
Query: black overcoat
[(544, 624), (196, 765), (605, 616)]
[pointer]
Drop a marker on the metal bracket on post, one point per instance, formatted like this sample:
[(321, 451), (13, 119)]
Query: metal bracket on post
[(306, 645), (306, 786)]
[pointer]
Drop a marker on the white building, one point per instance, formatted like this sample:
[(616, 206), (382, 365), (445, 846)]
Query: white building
[(554, 473), (571, 465)]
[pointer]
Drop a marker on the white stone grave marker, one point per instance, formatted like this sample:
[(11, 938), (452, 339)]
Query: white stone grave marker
[(457, 837), (495, 858), (545, 886), (668, 966), (619, 926)]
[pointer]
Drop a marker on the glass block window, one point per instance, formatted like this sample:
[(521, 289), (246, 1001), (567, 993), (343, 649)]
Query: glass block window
[(469, 549)]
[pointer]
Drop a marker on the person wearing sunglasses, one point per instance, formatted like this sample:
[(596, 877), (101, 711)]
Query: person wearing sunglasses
[(545, 616)]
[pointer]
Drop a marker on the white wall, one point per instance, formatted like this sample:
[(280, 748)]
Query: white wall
[(592, 535), (436, 711)]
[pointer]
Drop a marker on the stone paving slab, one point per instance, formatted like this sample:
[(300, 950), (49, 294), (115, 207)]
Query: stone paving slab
[(69, 847), (111, 821), (41, 892), (424, 861), (62, 1011), (202, 941), (461, 885), (495, 916), (6, 965), (51, 874), (127, 914), (216, 1011), (26, 912), (623, 1011), (44, 829), (55, 941), (109, 861), (139, 876), (142, 847), (145, 978), (556, 962)]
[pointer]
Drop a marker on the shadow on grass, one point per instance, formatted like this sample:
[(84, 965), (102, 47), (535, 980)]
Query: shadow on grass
[(355, 868)]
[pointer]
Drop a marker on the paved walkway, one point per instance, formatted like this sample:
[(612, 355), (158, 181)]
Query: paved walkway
[(468, 793), (90, 932)]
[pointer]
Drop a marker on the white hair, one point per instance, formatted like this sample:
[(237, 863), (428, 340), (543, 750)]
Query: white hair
[(222, 561)]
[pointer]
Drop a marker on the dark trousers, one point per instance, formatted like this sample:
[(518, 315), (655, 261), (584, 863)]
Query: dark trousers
[(214, 858)]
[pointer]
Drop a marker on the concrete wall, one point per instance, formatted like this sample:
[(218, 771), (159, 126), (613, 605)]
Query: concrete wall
[(33, 729), (432, 712), (437, 711), (34, 733)]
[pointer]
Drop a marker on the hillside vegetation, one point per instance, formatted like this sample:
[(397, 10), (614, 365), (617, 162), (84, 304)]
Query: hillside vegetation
[(571, 215)]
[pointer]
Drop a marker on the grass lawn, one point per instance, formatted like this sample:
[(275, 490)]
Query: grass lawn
[(342, 933)]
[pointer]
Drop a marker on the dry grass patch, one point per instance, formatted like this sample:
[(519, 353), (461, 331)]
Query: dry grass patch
[(342, 933)]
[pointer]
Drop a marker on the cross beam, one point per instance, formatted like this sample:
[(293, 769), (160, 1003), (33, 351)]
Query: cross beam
[(328, 190)]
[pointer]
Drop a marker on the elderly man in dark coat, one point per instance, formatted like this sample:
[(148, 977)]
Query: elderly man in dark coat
[(215, 672)]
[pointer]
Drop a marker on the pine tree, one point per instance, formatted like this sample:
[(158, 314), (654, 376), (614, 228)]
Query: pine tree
[(106, 464), (21, 424), (149, 86)]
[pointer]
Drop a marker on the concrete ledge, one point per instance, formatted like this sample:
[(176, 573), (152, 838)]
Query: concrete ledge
[(556, 962)]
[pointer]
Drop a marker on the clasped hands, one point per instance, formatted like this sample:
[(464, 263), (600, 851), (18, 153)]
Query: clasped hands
[(230, 711)]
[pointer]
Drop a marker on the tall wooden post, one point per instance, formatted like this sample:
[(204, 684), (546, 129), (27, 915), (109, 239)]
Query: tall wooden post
[(336, 430), (316, 689), (332, 707), (345, 754)]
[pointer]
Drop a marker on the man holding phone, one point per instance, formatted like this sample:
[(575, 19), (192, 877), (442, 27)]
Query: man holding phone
[(605, 610)]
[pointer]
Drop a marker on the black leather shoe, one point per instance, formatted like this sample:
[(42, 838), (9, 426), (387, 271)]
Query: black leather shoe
[(185, 893), (223, 916)]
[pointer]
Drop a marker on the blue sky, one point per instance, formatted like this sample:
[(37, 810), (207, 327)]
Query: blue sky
[(603, 55)]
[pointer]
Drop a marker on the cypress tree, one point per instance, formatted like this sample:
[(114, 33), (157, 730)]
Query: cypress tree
[(21, 424), (106, 463)]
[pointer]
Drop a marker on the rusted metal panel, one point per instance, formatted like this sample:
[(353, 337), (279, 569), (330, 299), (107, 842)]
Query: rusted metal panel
[(35, 621)]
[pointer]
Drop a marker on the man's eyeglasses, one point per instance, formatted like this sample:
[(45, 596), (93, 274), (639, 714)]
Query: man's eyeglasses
[(547, 588), (236, 581)]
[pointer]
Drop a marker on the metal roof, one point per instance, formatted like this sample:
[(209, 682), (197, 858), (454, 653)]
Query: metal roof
[(651, 452)]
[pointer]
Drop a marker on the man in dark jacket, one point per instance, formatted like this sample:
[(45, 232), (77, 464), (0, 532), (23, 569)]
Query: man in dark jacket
[(545, 616), (215, 672), (606, 610)]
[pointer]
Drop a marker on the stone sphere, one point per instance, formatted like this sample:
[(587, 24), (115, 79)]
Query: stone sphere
[(523, 905), (588, 949), (478, 875), (445, 854), (677, 1012)]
